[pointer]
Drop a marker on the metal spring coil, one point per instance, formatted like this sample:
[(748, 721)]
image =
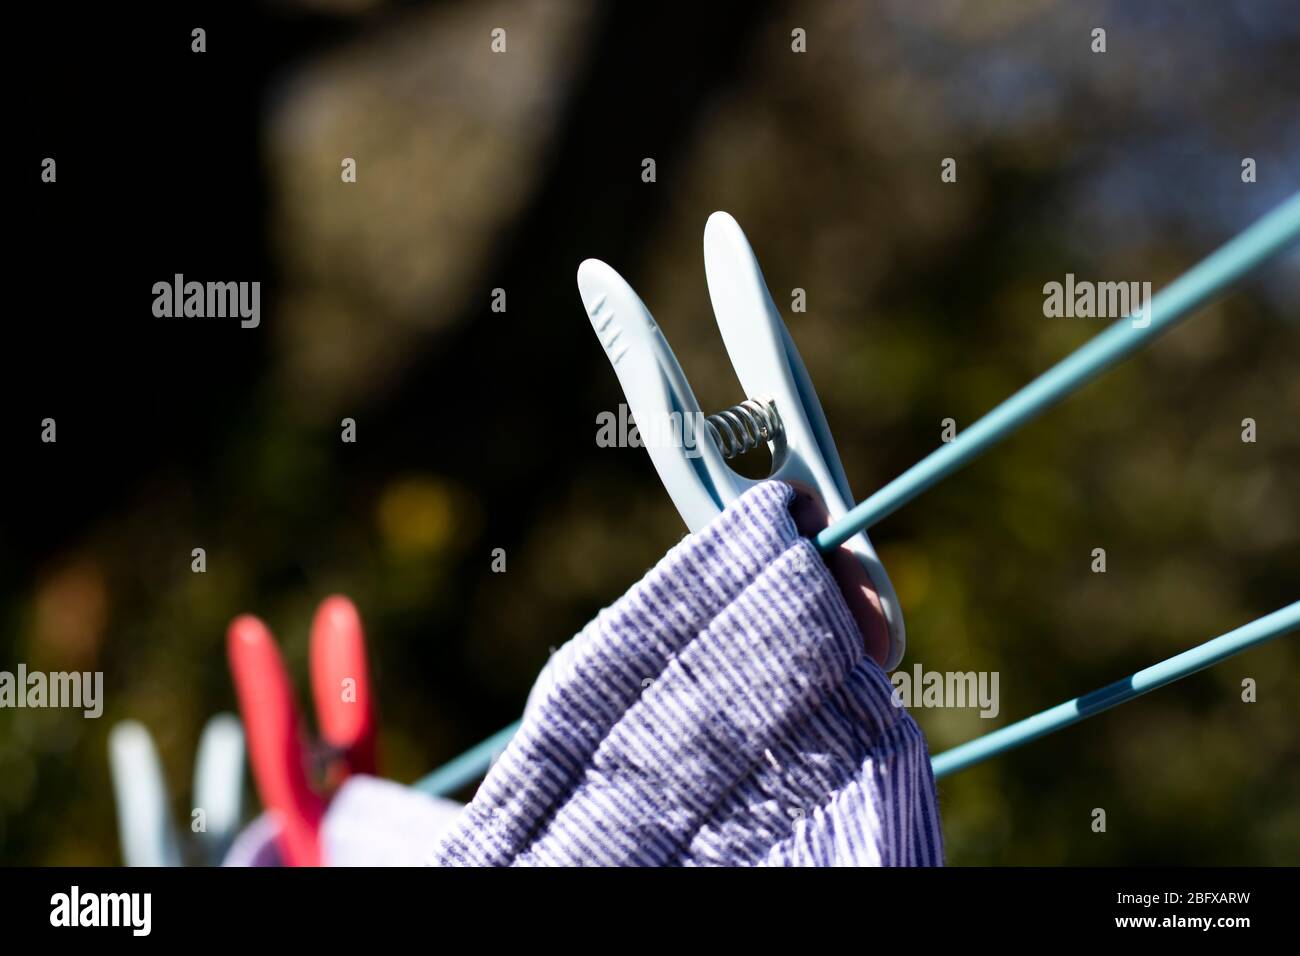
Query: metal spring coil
[(742, 427)]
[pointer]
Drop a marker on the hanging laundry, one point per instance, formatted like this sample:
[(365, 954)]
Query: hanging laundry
[(722, 712), (255, 845), (377, 822), (369, 822)]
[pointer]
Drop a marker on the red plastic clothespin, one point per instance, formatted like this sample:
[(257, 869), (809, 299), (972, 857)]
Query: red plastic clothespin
[(278, 745)]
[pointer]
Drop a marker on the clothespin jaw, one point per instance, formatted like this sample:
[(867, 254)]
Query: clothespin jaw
[(276, 740), (219, 784), (667, 414), (145, 825), (284, 763), (785, 412), (340, 680), (144, 817)]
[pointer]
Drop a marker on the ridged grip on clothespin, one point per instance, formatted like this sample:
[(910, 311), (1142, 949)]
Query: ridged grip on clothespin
[(667, 414)]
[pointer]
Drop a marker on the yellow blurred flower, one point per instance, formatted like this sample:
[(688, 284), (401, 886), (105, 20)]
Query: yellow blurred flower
[(415, 516)]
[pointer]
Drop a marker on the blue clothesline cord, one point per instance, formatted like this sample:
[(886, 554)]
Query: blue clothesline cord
[(1259, 242), (1072, 711), (474, 763), (470, 766), (1265, 238)]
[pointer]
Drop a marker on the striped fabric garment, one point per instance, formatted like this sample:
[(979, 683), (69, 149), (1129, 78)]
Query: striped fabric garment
[(722, 712)]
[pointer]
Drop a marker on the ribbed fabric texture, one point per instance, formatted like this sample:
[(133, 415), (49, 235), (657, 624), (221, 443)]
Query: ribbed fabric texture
[(722, 712)]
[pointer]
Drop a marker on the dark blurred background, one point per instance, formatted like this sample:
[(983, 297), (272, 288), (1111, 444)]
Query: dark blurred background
[(476, 430)]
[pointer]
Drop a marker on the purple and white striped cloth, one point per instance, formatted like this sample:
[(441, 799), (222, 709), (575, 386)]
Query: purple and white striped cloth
[(722, 712)]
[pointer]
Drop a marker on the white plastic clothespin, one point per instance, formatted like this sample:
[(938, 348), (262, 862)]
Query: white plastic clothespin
[(688, 448), (144, 817)]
